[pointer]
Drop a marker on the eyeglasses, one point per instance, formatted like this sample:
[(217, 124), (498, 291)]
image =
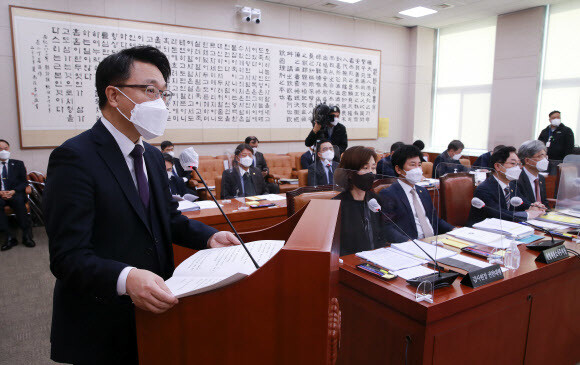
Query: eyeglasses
[(152, 92), (513, 164)]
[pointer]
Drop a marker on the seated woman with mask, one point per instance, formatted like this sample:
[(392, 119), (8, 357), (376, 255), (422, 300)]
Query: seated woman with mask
[(361, 229)]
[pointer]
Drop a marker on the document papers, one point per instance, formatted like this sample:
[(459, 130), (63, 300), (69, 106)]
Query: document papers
[(391, 258), (411, 249), (217, 267), (481, 237), (414, 272), (501, 226), (547, 225)]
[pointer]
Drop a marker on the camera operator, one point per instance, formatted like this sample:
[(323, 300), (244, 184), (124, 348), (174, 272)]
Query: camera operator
[(326, 125)]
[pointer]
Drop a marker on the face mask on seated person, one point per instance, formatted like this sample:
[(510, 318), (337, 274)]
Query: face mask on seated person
[(513, 173), (169, 174), (414, 175), (328, 155), (246, 161), (171, 153), (363, 182), (542, 165), (4, 155), (457, 157)]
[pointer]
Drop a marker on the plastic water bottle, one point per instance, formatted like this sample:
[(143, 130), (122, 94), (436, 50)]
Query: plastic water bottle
[(511, 258)]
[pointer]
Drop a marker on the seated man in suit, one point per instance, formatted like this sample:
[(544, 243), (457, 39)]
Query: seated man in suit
[(243, 179), (448, 161), (322, 171), (531, 184), (498, 189), (385, 167), (484, 161), (178, 171), (176, 184), (308, 158), (410, 206), (12, 194), (259, 161)]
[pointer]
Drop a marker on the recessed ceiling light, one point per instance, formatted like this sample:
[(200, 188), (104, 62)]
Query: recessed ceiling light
[(417, 12), (349, 1)]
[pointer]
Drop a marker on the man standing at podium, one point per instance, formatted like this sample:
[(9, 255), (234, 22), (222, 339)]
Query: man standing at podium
[(110, 218)]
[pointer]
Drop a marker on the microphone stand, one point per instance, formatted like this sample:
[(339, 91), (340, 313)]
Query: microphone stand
[(226, 217)]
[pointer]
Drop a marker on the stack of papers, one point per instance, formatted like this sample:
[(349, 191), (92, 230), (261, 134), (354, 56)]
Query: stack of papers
[(207, 204), (187, 206), (269, 197), (547, 225), (413, 272), (561, 219), (411, 249), (390, 258), (508, 228), (571, 212), (481, 237)]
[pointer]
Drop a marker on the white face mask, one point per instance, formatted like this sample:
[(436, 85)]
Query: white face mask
[(171, 153), (542, 165), (336, 121), (414, 175), (149, 117), (169, 174), (255, 149), (4, 155), (513, 173), (555, 122), (328, 155), (457, 157), (246, 161)]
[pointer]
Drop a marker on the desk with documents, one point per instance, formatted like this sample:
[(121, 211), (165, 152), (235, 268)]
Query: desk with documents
[(530, 317), (250, 219)]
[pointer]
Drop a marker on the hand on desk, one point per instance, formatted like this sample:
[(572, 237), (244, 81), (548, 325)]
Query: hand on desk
[(149, 292), (535, 212), (538, 205), (222, 239)]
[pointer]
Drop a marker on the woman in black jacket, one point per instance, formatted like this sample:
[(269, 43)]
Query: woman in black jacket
[(361, 229)]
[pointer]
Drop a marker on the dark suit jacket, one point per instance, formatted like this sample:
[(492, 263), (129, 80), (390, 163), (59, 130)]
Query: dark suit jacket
[(483, 161), (397, 206), (365, 230), (177, 186), (562, 141), (385, 167), (261, 163), (17, 179), (317, 175), (524, 190), (96, 227), (232, 183), (306, 159), (444, 164), (489, 191), (338, 137)]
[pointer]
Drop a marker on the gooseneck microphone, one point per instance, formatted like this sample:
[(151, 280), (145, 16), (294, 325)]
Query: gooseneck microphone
[(191, 160), (439, 279), (515, 201)]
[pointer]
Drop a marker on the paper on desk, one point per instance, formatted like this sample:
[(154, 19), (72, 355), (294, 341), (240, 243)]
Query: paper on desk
[(207, 204), (547, 225), (390, 258), (271, 197), (475, 262), (414, 272), (411, 249), (186, 205)]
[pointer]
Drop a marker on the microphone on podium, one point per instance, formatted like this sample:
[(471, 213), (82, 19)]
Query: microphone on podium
[(439, 279), (189, 159)]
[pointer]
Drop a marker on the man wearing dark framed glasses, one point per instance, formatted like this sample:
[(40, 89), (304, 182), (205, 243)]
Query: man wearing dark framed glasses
[(110, 217)]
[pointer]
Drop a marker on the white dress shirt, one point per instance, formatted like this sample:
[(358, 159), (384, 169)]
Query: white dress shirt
[(126, 146), (532, 178), (407, 190)]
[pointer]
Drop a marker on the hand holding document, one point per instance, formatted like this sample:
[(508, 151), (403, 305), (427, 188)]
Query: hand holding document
[(217, 267)]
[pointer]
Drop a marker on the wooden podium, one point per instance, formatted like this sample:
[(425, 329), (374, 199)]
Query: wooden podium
[(284, 313)]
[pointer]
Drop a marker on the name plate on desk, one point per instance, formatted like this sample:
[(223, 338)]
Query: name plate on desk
[(483, 276), (552, 254)]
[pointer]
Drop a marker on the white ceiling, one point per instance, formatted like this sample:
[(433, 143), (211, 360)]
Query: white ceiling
[(386, 10)]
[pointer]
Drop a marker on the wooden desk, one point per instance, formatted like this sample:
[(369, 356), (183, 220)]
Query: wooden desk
[(243, 220), (530, 317)]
